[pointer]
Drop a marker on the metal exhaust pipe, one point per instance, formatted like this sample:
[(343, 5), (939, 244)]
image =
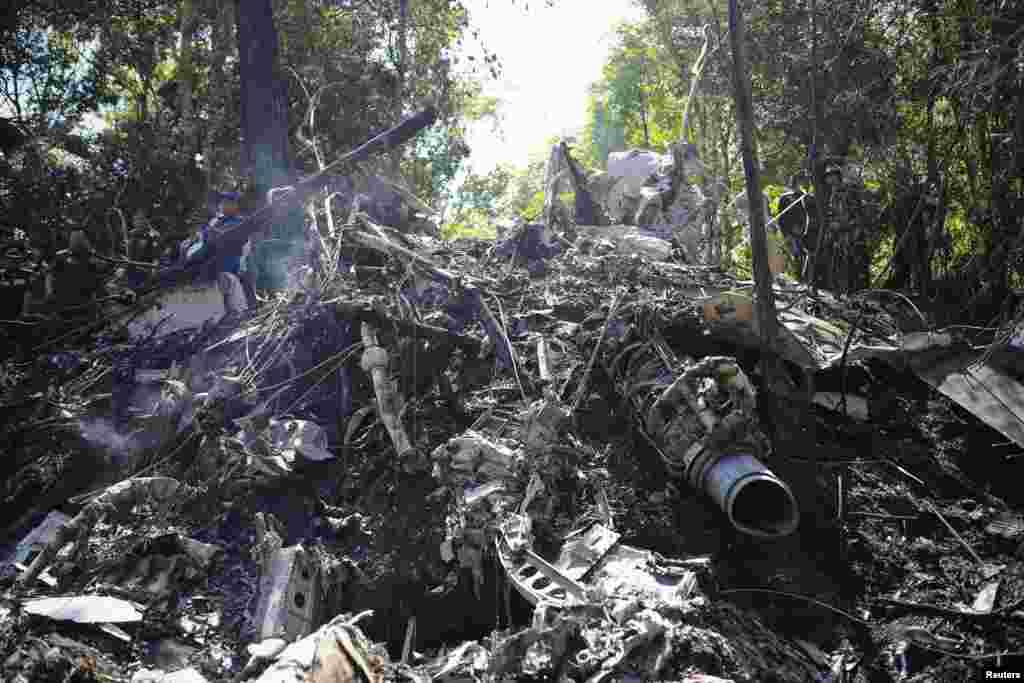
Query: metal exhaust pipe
[(705, 425), (756, 501)]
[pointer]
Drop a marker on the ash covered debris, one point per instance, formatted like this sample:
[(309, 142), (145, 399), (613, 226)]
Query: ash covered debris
[(550, 460)]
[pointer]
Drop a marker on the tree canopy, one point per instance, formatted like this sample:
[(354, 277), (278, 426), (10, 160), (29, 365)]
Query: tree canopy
[(909, 93), (110, 108), (139, 105)]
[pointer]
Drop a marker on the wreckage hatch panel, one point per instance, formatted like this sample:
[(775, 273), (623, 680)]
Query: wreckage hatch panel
[(985, 391), (182, 307)]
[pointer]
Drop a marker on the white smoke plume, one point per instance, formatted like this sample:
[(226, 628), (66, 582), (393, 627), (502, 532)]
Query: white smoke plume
[(101, 433)]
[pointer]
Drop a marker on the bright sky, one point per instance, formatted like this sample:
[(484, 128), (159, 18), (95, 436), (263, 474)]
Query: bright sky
[(549, 57)]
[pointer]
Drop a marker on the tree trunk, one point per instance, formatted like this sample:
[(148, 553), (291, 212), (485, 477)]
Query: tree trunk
[(817, 166), (141, 110), (403, 53), (726, 145), (223, 27), (766, 316), (643, 107), (930, 229), (187, 21), (264, 97), (145, 63)]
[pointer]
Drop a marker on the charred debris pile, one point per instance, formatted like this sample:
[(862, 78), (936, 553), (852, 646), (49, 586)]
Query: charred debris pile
[(551, 458)]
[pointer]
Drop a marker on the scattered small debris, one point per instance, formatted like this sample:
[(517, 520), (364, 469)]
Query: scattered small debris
[(435, 461)]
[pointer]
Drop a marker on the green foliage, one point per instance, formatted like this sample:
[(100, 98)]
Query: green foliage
[(475, 207), (524, 194), (136, 44), (479, 106), (125, 56), (741, 257), (774, 192), (534, 208), (483, 192), (444, 150), (907, 89), (964, 236), (52, 74), (443, 154), (881, 257), (345, 59), (595, 134), (635, 103), (911, 89), (472, 223), (48, 78)]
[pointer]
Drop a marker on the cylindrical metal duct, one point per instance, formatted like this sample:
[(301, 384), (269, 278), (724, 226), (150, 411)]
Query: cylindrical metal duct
[(754, 499), (701, 417)]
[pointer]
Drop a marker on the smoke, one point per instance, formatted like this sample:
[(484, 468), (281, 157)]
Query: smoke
[(100, 432), (286, 262), (296, 260)]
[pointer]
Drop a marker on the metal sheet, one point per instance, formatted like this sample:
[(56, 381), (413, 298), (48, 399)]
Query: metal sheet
[(983, 389), (805, 340), (85, 609), (583, 551), (181, 307)]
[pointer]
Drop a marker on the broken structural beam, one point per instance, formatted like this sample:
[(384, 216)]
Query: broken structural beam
[(122, 496), (382, 244), (465, 285), (361, 313), (389, 402), (364, 313), (586, 208)]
